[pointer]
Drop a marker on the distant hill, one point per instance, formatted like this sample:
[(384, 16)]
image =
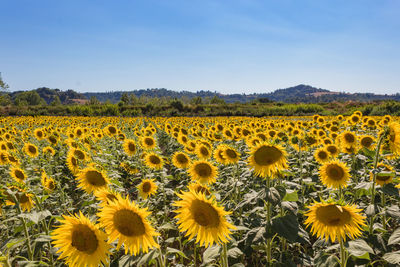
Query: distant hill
[(48, 95), (296, 94), (300, 93)]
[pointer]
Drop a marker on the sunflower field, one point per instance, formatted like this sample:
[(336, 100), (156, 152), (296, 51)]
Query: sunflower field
[(200, 191)]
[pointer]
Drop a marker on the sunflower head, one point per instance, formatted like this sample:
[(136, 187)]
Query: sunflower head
[(126, 222), (367, 141), (203, 171), (334, 221), (334, 174), (18, 174), (322, 155), (148, 142), (382, 179), (202, 216), (153, 161), (80, 242), (394, 138), (31, 150), (90, 179), (230, 155), (130, 147), (180, 160), (146, 188), (266, 159)]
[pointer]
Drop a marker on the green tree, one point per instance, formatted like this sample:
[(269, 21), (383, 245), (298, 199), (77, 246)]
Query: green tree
[(125, 99), (3, 85), (217, 100), (197, 100), (56, 101), (29, 98), (93, 101)]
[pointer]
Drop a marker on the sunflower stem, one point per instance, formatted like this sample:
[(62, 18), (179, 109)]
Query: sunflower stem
[(378, 147), (46, 229), (195, 254), (268, 246), (383, 202), (28, 239), (225, 256), (343, 259)]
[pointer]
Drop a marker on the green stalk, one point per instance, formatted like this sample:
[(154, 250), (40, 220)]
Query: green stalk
[(28, 239), (383, 202), (378, 147), (224, 262), (46, 229), (195, 254), (268, 246), (343, 259)]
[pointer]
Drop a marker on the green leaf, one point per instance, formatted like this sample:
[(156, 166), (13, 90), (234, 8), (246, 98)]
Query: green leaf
[(358, 248), (167, 226), (390, 190), (286, 226), (291, 196), (234, 253), (148, 257), (326, 260), (273, 195), (176, 251), (392, 257), (210, 254), (395, 237), (36, 217)]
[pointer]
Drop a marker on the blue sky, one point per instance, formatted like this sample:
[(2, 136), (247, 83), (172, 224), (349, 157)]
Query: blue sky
[(233, 46)]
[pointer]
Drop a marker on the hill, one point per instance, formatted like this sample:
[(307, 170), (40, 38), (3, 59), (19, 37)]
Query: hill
[(296, 94)]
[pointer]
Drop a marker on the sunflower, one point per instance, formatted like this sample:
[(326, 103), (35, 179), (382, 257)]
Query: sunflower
[(266, 159), (333, 150), (48, 183), (18, 174), (126, 221), (219, 154), (153, 161), (111, 130), (13, 160), (39, 134), (106, 195), (180, 160), (129, 147), (78, 154), (146, 188), (203, 152), (199, 188), (202, 216), (203, 171), (394, 138), (80, 242), (90, 179), (231, 155), (334, 174), (3, 158), (367, 141), (322, 155), (383, 179), (334, 221), (31, 150), (148, 142), (24, 198), (72, 164), (348, 140), (49, 151)]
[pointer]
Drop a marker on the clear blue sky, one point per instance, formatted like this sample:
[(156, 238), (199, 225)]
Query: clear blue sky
[(232, 46)]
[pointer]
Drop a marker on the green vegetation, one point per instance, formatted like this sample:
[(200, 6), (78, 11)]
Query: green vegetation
[(163, 102)]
